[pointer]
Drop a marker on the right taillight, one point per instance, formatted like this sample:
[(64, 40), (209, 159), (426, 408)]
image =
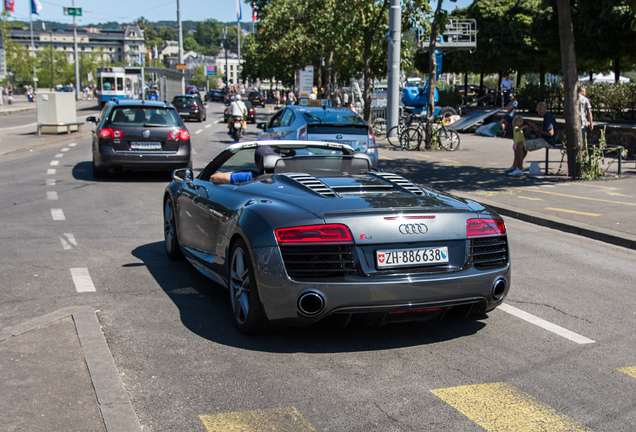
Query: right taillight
[(485, 228)]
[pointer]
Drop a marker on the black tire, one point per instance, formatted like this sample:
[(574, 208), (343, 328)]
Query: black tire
[(236, 135), (448, 139), (171, 239), (247, 309), (395, 139), (411, 139), (447, 112)]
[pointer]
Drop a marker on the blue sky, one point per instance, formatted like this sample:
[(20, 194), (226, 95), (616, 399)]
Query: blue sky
[(96, 11)]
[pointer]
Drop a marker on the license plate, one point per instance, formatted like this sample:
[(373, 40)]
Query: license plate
[(411, 257), (184, 113), (145, 146)]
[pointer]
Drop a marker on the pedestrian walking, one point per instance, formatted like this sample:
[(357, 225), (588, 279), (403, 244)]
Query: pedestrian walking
[(585, 108)]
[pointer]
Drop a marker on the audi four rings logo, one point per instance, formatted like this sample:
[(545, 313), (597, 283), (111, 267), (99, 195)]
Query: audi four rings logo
[(419, 228)]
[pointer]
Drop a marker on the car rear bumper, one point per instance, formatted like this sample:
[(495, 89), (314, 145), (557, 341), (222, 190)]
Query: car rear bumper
[(109, 159), (390, 297)]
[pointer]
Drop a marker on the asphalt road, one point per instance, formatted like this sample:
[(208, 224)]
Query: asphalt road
[(559, 356)]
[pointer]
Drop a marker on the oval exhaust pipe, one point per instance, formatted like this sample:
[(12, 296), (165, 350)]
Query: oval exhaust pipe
[(499, 289), (311, 303)]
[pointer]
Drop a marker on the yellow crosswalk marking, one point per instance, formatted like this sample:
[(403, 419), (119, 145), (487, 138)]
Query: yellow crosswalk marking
[(577, 197), (502, 407), (631, 371), (274, 419), (529, 198)]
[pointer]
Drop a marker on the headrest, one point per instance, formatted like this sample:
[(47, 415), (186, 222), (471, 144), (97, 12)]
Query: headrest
[(269, 162)]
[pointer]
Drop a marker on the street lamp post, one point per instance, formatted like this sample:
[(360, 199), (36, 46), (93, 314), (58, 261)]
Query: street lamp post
[(52, 72), (76, 57)]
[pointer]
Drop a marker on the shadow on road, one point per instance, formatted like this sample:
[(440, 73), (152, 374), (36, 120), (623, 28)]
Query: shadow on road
[(204, 309)]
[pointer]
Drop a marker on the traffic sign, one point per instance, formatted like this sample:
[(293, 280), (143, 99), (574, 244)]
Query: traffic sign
[(209, 70), (73, 11), (180, 66)]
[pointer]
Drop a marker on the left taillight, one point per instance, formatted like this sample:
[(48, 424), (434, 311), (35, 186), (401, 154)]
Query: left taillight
[(331, 233), (108, 133), (485, 228), (179, 134)]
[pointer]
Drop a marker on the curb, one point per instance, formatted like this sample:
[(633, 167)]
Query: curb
[(605, 235), (114, 404)]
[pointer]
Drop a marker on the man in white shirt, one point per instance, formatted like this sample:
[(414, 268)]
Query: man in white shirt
[(237, 109), (506, 86)]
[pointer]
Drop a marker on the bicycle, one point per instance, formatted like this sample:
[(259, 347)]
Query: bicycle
[(446, 138), (404, 135), (378, 126)]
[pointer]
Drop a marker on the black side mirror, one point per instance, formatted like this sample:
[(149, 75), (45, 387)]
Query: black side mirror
[(91, 119), (261, 126), (183, 175)]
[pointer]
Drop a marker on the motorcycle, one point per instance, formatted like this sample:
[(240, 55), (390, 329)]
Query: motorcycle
[(236, 128)]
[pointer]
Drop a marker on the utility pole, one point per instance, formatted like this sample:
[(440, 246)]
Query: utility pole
[(52, 71), (180, 31), (225, 43), (393, 90), (77, 89)]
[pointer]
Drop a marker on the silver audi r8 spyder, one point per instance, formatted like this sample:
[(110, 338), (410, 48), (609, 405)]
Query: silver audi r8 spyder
[(317, 232)]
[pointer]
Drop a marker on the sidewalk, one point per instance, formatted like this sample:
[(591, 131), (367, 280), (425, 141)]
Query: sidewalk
[(601, 209)]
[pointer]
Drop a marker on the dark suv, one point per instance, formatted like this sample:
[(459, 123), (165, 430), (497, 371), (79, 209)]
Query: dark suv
[(256, 98), (190, 106), (139, 135)]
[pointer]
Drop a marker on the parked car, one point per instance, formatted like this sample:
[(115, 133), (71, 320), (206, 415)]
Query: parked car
[(251, 113), (256, 98), (190, 107), (317, 232), (215, 96), (339, 125), (139, 135)]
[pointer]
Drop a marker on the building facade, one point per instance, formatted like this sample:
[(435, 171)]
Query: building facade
[(113, 45)]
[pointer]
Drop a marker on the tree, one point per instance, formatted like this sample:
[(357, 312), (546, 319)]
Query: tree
[(570, 79)]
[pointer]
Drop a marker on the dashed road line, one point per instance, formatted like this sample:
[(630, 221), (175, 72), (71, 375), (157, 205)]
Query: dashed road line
[(573, 212), (82, 280), (279, 419), (55, 163), (199, 131), (58, 215), (546, 325), (502, 407), (579, 197), (59, 155), (50, 182), (51, 171), (51, 195), (68, 241)]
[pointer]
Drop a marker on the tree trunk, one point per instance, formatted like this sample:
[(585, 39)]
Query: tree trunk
[(366, 71), (570, 79), (617, 70), (432, 77), (328, 87)]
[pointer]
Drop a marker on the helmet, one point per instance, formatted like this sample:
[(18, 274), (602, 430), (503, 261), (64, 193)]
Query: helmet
[(238, 97)]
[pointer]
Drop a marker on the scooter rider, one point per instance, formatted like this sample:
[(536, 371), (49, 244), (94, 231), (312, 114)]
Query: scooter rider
[(237, 110)]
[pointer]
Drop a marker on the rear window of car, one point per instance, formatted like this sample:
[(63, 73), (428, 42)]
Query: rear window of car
[(333, 117), (144, 116), (188, 101)]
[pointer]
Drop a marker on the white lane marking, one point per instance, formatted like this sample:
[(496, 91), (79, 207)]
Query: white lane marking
[(65, 149), (50, 171), (219, 121), (82, 280), (574, 337), (59, 155), (58, 214), (68, 241), (55, 163), (207, 125), (50, 182), (199, 131), (19, 127), (51, 195), (72, 144)]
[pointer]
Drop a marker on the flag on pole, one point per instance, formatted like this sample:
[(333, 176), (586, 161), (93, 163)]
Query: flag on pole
[(9, 5), (254, 12), (156, 52), (141, 58), (36, 7), (149, 56), (239, 14)]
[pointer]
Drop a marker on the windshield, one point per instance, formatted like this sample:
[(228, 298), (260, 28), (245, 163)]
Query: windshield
[(333, 117), (141, 116)]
